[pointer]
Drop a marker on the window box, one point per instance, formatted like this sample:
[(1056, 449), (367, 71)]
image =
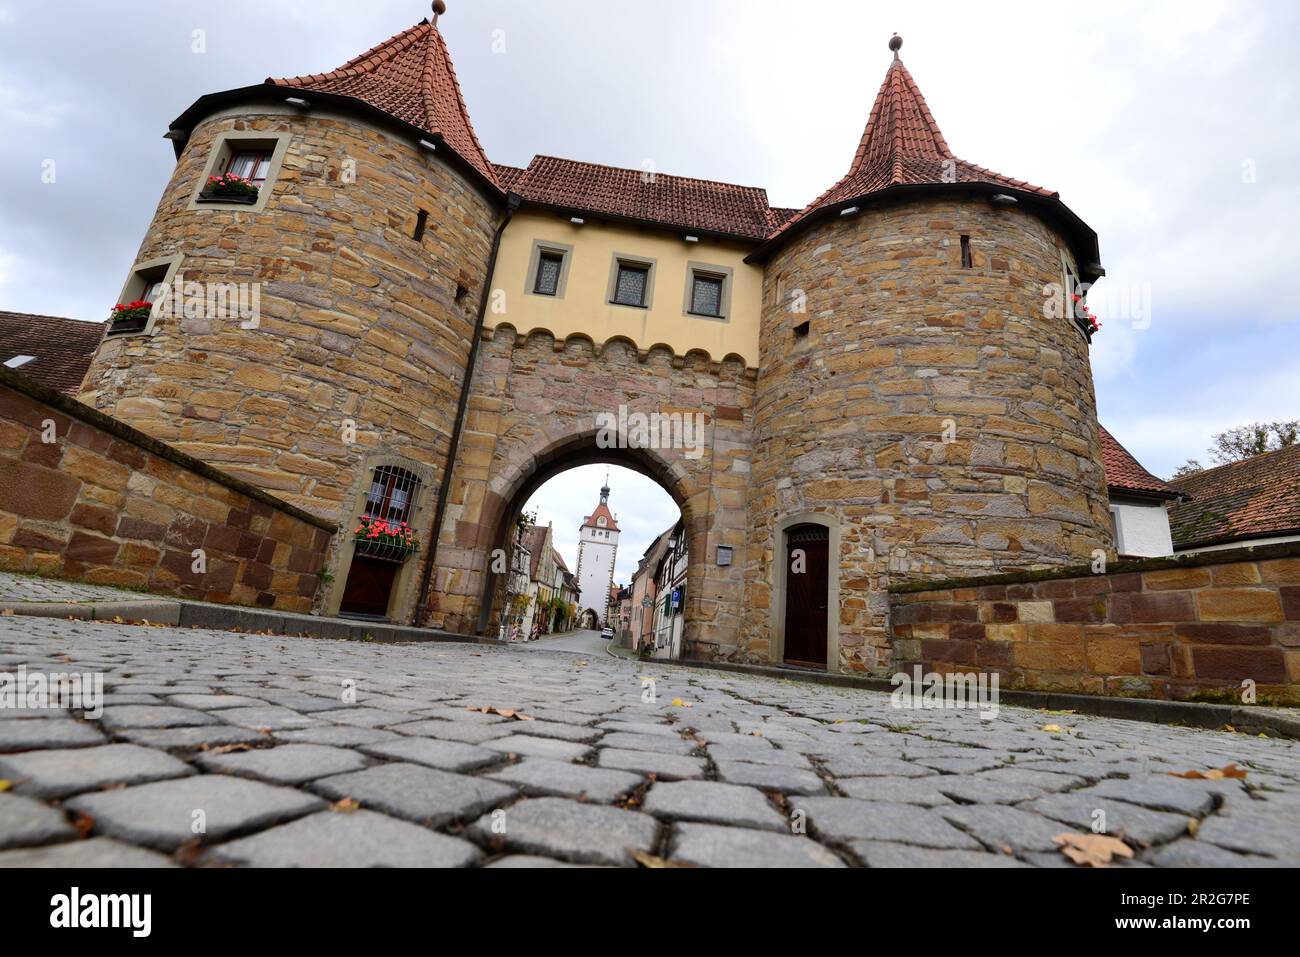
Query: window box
[(130, 317), (230, 188), (377, 538)]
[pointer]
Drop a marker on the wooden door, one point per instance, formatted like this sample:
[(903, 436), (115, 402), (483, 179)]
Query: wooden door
[(369, 584), (806, 589)]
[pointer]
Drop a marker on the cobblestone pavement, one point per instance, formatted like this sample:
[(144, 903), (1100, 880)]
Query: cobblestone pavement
[(27, 588), (219, 748)]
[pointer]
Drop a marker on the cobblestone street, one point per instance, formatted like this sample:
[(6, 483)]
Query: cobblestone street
[(218, 748)]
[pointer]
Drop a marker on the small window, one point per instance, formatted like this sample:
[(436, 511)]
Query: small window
[(547, 282), (252, 165), (421, 221), (706, 295), (801, 330), (630, 287), (965, 253), (145, 285), (392, 493)]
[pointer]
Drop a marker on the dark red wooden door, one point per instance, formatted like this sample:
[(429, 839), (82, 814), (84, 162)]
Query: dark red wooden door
[(370, 582), (806, 580)]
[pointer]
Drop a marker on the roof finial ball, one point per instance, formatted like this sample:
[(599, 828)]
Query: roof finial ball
[(895, 44), (439, 8)]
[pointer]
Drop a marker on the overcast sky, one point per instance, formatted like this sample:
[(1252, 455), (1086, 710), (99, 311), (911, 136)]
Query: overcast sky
[(1172, 128)]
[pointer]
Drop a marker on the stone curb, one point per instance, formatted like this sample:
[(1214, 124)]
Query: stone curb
[(235, 618), (1190, 713), (155, 612)]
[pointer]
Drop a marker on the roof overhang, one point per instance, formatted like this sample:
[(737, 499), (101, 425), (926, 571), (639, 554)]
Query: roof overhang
[(180, 129), (1081, 237), (1145, 495), (639, 222)]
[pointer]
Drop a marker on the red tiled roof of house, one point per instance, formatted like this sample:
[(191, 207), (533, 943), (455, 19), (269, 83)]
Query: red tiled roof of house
[(1125, 474), (410, 77), (535, 541), (63, 348), (902, 146), (677, 202), (1258, 497)]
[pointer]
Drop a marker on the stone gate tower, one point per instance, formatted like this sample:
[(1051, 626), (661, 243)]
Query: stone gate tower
[(916, 400), (597, 550), (367, 246)]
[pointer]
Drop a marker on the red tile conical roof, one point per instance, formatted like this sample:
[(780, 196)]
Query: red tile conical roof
[(903, 146), (409, 77)]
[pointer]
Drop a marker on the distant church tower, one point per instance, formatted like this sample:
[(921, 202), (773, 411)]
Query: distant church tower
[(597, 546)]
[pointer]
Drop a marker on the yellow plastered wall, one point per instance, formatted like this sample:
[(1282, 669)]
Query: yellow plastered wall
[(584, 307)]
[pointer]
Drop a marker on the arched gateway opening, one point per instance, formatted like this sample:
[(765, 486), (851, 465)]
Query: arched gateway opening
[(564, 540)]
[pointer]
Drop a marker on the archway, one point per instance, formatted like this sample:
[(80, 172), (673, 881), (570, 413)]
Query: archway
[(598, 520)]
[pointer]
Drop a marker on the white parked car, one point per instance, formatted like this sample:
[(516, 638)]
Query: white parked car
[(607, 632)]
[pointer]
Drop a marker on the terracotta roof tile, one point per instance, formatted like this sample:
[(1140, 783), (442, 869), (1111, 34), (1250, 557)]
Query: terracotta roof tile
[(410, 77), (903, 146), (677, 202), (601, 509), (1124, 473), (1257, 497), (63, 348)]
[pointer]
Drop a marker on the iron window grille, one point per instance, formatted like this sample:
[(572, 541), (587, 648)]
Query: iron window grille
[(384, 530)]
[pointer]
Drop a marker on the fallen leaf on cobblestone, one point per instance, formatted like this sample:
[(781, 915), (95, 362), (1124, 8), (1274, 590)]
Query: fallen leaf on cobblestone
[(345, 805), (228, 748), (5, 785), (1091, 850), (649, 860), (1214, 774), (679, 703), (1052, 728), (1193, 826), (84, 823)]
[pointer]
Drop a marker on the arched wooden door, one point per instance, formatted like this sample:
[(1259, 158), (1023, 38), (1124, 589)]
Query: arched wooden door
[(807, 580)]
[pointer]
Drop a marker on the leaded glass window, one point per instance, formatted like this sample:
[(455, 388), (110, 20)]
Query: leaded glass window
[(706, 296), (548, 274), (630, 288)]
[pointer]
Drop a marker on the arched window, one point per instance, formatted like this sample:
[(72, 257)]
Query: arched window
[(392, 494)]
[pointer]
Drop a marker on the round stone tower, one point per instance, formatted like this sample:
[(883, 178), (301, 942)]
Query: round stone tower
[(925, 404), (317, 329)]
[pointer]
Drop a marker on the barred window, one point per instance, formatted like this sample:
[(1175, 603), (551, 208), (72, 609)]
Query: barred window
[(706, 295), (392, 493), (630, 288), (548, 274)]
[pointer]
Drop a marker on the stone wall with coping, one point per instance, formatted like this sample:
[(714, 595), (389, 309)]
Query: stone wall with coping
[(104, 503), (1182, 628), (903, 344)]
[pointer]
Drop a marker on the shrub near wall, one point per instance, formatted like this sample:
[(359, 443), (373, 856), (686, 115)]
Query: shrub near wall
[(104, 503), (1193, 627)]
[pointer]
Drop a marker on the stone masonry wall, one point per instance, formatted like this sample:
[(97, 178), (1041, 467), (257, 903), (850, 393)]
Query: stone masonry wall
[(532, 413), (1161, 628), (904, 344), (103, 503), (358, 320)]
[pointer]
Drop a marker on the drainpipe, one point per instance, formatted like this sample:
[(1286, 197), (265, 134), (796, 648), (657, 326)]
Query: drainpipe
[(512, 204)]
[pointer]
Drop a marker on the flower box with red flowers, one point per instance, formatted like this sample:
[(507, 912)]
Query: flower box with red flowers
[(130, 317), (229, 188), (1084, 318), (390, 541)]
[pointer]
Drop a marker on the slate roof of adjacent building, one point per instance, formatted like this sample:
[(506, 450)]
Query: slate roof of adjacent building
[(62, 348), (1124, 473), (1258, 497), (410, 77)]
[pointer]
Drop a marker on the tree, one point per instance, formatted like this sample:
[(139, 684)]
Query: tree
[(1190, 467), (1253, 439)]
